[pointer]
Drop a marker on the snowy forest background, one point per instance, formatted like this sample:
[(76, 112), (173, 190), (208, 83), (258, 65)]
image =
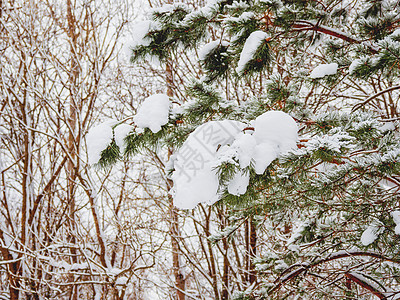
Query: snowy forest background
[(318, 217)]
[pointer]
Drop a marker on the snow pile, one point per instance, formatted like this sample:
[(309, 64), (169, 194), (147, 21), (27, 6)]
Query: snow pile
[(275, 132), (370, 234), (244, 145), (153, 113), (323, 70), (238, 185), (250, 47), (141, 29), (97, 139), (195, 178), (396, 219), (210, 8), (209, 47), (247, 15)]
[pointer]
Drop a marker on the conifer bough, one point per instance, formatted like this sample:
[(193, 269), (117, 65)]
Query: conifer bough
[(317, 197)]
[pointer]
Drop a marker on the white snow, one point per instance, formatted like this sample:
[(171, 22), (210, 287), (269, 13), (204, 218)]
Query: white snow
[(323, 70), (395, 296), (195, 180), (166, 8), (387, 126), (370, 234), (296, 234), (396, 32), (396, 219), (250, 46), (245, 145), (238, 184), (207, 48), (239, 5), (141, 29), (210, 8), (361, 277), (397, 229), (332, 142), (354, 64), (275, 132), (280, 265), (153, 113), (121, 280), (278, 128), (264, 155), (120, 132), (243, 17), (97, 139), (68, 267)]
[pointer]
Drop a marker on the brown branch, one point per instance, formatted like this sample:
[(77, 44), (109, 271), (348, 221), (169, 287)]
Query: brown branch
[(365, 285), (302, 25), (306, 266), (45, 190), (305, 26), (96, 220), (359, 105)]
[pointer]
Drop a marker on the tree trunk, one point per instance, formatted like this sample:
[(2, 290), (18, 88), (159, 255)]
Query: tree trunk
[(253, 251)]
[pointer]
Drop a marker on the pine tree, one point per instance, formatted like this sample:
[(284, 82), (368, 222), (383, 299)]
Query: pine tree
[(330, 206)]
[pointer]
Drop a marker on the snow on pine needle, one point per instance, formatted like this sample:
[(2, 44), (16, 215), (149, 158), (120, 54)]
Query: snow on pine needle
[(324, 70), (209, 47), (251, 45), (98, 139), (153, 113), (195, 178), (216, 142)]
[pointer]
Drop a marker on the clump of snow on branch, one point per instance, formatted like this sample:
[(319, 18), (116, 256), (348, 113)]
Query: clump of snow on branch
[(250, 47), (98, 139), (141, 29), (370, 234), (324, 70), (169, 8), (247, 15), (211, 7), (244, 145), (396, 219), (275, 132), (209, 47), (238, 185), (195, 178), (139, 36), (153, 113), (121, 281)]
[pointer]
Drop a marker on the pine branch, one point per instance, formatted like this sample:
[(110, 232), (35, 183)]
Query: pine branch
[(301, 25), (304, 267), (359, 105), (360, 280)]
